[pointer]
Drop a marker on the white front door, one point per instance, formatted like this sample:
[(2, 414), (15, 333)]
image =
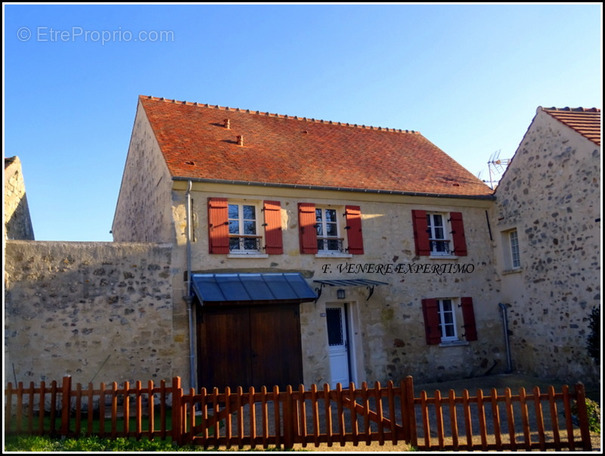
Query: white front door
[(338, 344)]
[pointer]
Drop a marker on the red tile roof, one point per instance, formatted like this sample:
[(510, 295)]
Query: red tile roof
[(587, 122), (292, 151)]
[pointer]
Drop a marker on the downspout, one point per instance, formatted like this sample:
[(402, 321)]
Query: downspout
[(188, 294), (509, 363)]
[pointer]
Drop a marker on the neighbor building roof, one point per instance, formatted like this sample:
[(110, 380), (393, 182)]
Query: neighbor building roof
[(587, 122), (214, 143)]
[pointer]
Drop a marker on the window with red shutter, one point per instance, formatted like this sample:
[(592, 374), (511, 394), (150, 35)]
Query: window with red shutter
[(218, 225), (307, 228), (273, 229), (430, 312), (468, 314), (431, 234), (458, 234), (421, 236), (353, 228)]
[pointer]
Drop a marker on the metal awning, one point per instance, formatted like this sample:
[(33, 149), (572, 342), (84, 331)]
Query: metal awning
[(370, 284), (252, 288)]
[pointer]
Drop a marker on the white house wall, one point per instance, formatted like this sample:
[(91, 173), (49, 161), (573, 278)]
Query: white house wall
[(550, 193)]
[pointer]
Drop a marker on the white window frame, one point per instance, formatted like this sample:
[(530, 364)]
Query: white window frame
[(513, 245), (257, 238), (323, 238), (434, 240), (510, 250), (445, 322)]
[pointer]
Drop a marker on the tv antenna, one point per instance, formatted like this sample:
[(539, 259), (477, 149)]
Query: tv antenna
[(496, 167)]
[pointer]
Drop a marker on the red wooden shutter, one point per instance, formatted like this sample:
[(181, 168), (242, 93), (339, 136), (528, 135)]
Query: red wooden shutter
[(458, 234), (430, 311), (468, 314), (306, 224), (421, 237), (273, 230), (218, 225), (354, 233)]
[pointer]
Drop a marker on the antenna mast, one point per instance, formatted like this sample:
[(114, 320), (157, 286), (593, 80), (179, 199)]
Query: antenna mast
[(496, 167)]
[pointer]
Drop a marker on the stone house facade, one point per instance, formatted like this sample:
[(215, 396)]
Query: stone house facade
[(548, 234), (387, 232)]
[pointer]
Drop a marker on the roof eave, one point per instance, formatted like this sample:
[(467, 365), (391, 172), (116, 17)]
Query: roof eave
[(328, 188)]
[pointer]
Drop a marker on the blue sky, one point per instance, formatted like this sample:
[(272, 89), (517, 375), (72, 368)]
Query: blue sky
[(468, 77)]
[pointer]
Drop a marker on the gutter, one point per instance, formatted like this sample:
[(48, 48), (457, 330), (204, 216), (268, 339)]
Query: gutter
[(188, 295), (509, 363), (341, 189)]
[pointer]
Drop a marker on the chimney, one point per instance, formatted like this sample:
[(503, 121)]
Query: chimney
[(227, 124), (240, 140)]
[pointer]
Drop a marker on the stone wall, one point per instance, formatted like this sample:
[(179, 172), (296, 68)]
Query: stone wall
[(17, 221), (143, 210), (99, 312), (550, 194)]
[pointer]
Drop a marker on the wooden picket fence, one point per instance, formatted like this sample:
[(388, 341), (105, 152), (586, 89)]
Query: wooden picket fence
[(315, 416)]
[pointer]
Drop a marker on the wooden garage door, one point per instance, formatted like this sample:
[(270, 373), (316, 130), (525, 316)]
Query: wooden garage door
[(249, 346)]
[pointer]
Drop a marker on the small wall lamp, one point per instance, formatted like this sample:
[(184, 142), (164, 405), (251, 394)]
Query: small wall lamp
[(340, 294)]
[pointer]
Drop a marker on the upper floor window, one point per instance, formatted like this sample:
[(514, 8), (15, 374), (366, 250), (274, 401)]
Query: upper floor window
[(514, 249), (243, 229), (327, 231), (438, 240), (237, 227), (438, 234), (322, 229), (510, 242)]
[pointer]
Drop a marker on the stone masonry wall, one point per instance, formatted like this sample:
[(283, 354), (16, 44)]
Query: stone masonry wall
[(99, 312), (17, 221), (387, 332), (143, 211), (551, 195)]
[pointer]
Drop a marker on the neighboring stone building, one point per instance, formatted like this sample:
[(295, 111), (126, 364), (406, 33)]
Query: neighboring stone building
[(382, 235), (548, 232), (17, 221)]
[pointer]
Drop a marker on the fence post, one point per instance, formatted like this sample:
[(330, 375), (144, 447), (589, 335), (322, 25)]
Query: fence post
[(288, 419), (177, 412), (583, 416), (410, 412), (65, 405)]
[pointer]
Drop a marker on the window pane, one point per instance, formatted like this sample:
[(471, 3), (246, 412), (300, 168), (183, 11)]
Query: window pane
[(332, 244), (233, 211), (249, 212), (334, 320), (438, 220), (249, 227), (514, 247), (318, 215), (234, 244), (250, 244), (331, 229), (330, 215), (233, 227)]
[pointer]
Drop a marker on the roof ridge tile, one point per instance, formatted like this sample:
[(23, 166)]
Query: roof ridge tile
[(283, 116)]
